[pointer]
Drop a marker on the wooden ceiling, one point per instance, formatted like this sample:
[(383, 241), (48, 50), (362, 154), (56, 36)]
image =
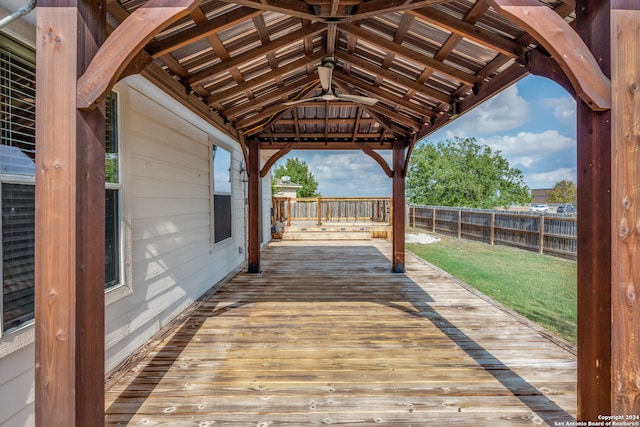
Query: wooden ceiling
[(426, 61)]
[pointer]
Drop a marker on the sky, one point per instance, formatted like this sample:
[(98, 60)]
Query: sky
[(532, 124)]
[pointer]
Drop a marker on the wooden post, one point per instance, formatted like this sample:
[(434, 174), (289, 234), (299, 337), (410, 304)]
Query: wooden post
[(413, 216), (433, 220), (492, 237), (289, 211), (398, 208), (70, 220), (319, 202), (594, 228), (459, 224), (625, 193), (253, 169), (541, 236)]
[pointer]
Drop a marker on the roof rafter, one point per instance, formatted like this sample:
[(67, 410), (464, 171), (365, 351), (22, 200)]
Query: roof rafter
[(433, 94), (263, 50), (272, 96), (383, 94), (201, 30), (322, 145), (470, 31), (266, 77), (408, 53)]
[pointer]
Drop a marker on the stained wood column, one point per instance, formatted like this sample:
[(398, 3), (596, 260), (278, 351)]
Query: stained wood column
[(625, 194), (70, 216), (594, 229), (253, 169), (398, 201)]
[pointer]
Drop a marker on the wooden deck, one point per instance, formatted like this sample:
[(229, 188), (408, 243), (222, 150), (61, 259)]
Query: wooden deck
[(328, 335)]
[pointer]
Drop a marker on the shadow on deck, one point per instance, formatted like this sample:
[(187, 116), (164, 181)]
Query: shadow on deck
[(328, 335)]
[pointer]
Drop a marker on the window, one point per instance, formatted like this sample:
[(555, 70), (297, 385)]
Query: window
[(17, 186), (221, 194), (112, 194)]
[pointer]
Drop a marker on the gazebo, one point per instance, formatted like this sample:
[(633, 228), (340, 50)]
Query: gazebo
[(368, 75)]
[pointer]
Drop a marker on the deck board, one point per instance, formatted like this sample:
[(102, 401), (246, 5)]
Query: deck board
[(328, 335)]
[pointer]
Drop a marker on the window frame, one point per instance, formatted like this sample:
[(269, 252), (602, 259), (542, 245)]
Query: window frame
[(27, 55), (213, 192), (117, 186)]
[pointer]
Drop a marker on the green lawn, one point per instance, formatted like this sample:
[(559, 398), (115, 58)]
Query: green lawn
[(540, 287)]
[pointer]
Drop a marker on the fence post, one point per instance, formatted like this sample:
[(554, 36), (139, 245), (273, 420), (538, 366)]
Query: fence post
[(413, 216), (492, 237), (459, 223), (433, 221), (541, 249), (319, 202)]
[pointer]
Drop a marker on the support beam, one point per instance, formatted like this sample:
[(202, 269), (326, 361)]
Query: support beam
[(594, 228), (625, 193), (123, 45), (397, 255), (540, 64), (253, 170), (378, 158), (566, 47), (70, 220), (273, 159)]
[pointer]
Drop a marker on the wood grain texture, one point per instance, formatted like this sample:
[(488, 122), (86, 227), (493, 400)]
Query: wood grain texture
[(327, 334), (594, 255), (123, 45), (625, 77), (69, 258), (253, 170), (398, 207), (566, 47)]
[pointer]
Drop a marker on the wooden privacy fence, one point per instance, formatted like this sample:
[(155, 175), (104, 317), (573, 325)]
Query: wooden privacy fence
[(547, 234), (334, 209)]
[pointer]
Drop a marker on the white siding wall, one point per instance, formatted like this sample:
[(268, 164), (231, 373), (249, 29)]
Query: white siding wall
[(170, 256), (166, 199), (17, 385)]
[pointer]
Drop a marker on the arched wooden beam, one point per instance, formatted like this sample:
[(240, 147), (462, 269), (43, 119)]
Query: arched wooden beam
[(123, 45), (565, 46), (267, 166), (378, 158), (539, 64), (407, 159)]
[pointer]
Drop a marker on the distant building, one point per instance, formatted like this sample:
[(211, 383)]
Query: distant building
[(285, 188), (541, 195)]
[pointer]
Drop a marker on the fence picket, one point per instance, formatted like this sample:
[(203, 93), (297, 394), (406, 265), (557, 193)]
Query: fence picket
[(548, 234)]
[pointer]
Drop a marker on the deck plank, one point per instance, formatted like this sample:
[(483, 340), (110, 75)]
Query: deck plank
[(326, 334)]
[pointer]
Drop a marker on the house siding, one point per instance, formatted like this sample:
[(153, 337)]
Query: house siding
[(17, 387), (170, 258), (166, 194)]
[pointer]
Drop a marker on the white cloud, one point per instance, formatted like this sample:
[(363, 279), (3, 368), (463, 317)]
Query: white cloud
[(548, 179), (527, 148), (544, 158), (506, 111), (350, 174), (563, 108)]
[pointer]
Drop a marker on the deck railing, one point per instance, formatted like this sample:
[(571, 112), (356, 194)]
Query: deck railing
[(549, 234), (332, 209)]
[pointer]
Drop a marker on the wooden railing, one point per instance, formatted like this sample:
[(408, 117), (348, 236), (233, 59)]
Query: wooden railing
[(332, 209), (549, 234)]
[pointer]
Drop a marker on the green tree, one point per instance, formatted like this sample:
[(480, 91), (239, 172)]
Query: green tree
[(460, 172), (563, 192), (299, 173)]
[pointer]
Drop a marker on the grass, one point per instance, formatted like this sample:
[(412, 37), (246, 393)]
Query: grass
[(539, 287)]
